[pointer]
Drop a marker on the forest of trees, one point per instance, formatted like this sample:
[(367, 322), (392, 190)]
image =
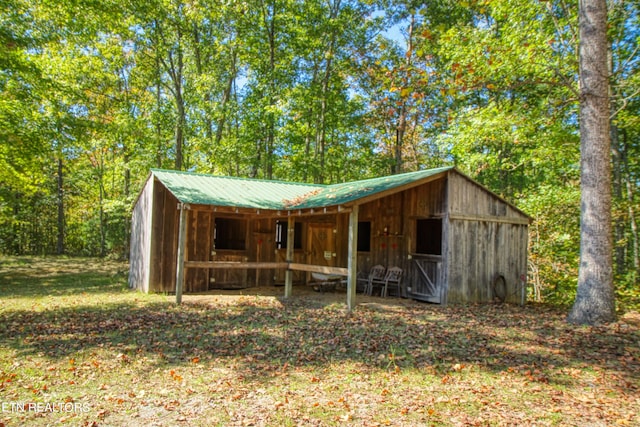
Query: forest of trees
[(94, 93)]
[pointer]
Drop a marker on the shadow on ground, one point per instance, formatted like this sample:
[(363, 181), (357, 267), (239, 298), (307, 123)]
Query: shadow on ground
[(263, 331)]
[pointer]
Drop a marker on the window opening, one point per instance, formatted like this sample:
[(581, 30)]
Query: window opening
[(230, 233), (281, 235), (364, 236), (429, 236)]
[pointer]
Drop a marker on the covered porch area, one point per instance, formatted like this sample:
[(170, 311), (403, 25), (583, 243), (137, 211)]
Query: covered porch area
[(347, 274)]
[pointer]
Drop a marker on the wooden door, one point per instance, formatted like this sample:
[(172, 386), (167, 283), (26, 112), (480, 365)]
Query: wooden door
[(322, 244), (427, 279)]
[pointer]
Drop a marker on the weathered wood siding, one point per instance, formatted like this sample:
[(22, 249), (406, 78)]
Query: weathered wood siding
[(229, 278), (481, 236), (199, 241), (428, 200), (164, 240), (262, 249), (467, 198), (393, 227), (486, 237), (140, 247), (298, 276), (388, 228)]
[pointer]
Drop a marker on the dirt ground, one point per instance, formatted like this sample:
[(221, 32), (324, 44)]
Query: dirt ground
[(275, 295)]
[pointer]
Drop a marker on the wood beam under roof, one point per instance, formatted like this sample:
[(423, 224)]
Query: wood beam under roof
[(268, 213)]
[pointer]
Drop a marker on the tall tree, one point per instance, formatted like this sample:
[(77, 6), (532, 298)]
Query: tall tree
[(595, 301)]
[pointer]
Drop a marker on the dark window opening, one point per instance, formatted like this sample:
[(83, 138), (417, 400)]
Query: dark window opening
[(230, 233), (364, 236), (281, 235), (429, 236)]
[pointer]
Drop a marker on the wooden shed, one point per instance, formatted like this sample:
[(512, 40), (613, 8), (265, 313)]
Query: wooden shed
[(455, 240)]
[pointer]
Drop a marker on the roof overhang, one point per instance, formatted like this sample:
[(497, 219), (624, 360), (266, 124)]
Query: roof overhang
[(242, 196)]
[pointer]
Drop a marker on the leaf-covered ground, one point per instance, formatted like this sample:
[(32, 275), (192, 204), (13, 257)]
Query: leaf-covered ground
[(78, 348)]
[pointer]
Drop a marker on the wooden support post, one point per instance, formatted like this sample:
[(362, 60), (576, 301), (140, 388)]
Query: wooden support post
[(182, 239), (353, 258), (288, 275)]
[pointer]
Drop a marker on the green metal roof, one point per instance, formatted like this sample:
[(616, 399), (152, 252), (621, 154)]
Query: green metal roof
[(193, 188), (339, 194)]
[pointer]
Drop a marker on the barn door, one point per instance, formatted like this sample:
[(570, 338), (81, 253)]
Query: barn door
[(427, 281), (322, 244)]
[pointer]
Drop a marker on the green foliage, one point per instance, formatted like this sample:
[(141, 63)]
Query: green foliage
[(554, 246), (306, 91)]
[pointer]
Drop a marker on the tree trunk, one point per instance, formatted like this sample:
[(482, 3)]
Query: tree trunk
[(226, 97), (402, 120), (127, 219), (174, 66), (595, 301), (635, 244), (321, 130), (102, 214), (181, 119), (60, 243), (180, 125), (158, 134), (269, 21), (309, 160), (208, 97), (15, 234)]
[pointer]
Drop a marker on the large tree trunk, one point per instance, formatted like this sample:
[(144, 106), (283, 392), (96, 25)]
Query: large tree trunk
[(595, 301)]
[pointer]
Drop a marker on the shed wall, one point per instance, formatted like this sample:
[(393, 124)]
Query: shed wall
[(140, 246), (198, 248), (486, 237), (393, 228), (470, 199), (481, 250), (164, 240), (388, 244)]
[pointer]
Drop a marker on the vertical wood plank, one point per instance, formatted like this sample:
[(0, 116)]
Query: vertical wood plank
[(288, 278), (182, 238), (445, 272), (353, 258)]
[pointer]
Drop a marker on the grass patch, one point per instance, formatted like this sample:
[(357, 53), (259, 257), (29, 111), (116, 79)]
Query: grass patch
[(72, 333)]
